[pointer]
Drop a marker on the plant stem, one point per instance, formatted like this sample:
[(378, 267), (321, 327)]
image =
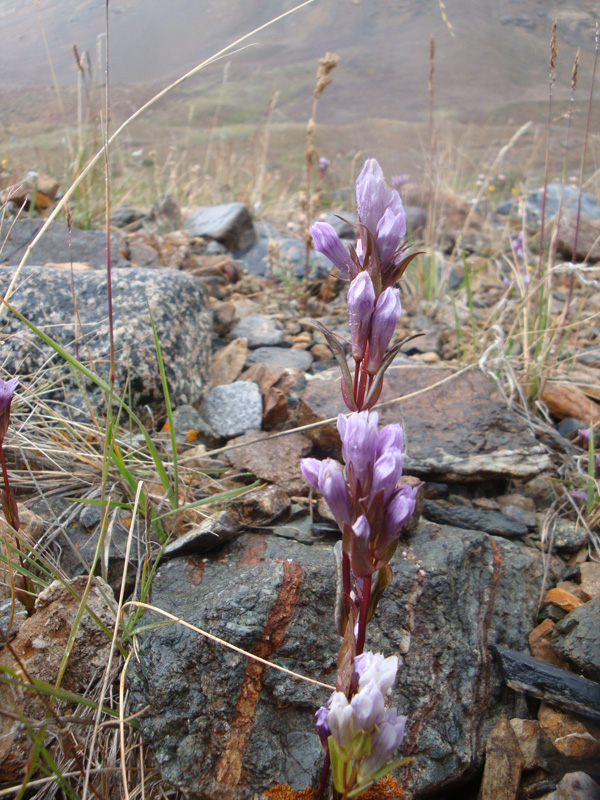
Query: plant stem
[(363, 614)]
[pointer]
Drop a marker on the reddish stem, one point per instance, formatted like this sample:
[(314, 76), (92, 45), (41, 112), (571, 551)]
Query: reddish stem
[(363, 614)]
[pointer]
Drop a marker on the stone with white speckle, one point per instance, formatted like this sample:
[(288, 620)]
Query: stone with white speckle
[(235, 408)]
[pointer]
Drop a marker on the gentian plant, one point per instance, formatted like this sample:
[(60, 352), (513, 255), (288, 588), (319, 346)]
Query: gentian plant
[(359, 734)]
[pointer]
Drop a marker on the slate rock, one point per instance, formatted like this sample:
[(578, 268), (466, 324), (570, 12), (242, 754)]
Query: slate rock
[(234, 408), (275, 459), (212, 532), (224, 727), (567, 536), (577, 638), (459, 430), (258, 331), (280, 357), (473, 518), (127, 217), (229, 223), (87, 247)]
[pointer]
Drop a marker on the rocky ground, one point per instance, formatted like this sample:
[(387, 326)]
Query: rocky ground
[(496, 591)]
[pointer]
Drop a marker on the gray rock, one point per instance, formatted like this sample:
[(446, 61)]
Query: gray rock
[(521, 516), (461, 429), (589, 203), (566, 536), (187, 420), (87, 247), (19, 615), (473, 518), (280, 357), (223, 727), (344, 223), (165, 213), (256, 259), (258, 332), (577, 638), (178, 305), (575, 786), (212, 532), (127, 217), (234, 408), (230, 224)]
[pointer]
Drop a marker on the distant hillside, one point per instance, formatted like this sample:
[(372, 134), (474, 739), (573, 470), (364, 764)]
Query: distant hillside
[(498, 54)]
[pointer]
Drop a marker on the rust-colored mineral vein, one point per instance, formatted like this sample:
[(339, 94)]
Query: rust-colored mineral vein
[(229, 767), (254, 552), (194, 570)]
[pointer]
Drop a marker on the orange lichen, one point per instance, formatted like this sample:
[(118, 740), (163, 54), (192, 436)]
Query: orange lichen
[(386, 789)]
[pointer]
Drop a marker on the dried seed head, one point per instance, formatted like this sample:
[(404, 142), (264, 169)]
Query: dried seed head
[(575, 71), (326, 65), (553, 46)]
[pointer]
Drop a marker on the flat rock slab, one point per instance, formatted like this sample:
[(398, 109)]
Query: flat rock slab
[(223, 727), (274, 459), (459, 430), (577, 638), (58, 246), (178, 305)]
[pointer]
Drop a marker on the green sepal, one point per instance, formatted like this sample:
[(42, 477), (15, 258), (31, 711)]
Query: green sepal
[(339, 760), (381, 773)]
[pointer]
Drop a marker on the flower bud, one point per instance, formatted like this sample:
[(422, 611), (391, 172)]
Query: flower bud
[(373, 666), (327, 241), (361, 301), (387, 471), (383, 324), (7, 390), (359, 442)]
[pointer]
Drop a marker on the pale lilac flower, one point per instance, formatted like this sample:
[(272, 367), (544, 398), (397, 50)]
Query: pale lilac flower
[(396, 181), (399, 510), (359, 436), (374, 666), (327, 241), (339, 719), (584, 435), (383, 746), (380, 210), (324, 164), (362, 530), (390, 438), (327, 476), (519, 248), (368, 706), (386, 472), (383, 324), (361, 301), (7, 390), (322, 725)]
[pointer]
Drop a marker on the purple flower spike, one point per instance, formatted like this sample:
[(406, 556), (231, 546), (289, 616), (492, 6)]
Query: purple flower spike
[(329, 243), (311, 469), (7, 390), (322, 725), (340, 719), (383, 324), (390, 438), (374, 196), (361, 301)]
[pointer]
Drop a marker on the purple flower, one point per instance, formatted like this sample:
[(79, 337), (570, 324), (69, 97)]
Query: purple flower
[(396, 181), (322, 725), (359, 443), (390, 438), (361, 301), (324, 164), (7, 390), (386, 472), (383, 745), (327, 476), (518, 247), (373, 666), (383, 324), (339, 719), (399, 510), (368, 706), (380, 210), (327, 241), (584, 435)]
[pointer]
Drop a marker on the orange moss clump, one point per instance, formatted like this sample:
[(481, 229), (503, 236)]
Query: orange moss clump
[(386, 789)]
